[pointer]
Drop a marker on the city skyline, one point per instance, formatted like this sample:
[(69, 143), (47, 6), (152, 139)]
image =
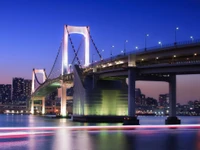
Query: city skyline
[(189, 94), (32, 30)]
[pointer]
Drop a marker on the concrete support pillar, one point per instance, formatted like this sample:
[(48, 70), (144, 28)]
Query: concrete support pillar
[(131, 119), (172, 96), (32, 107), (94, 77), (131, 92), (43, 105), (63, 108), (172, 119)]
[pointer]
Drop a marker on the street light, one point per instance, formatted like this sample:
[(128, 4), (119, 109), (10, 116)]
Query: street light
[(126, 41), (102, 53), (93, 58), (160, 43), (145, 41), (70, 68), (192, 38), (177, 28), (136, 48), (111, 51)]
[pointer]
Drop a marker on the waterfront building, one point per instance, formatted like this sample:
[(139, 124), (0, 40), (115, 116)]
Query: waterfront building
[(5, 93), (138, 99), (151, 102), (21, 91), (17, 90), (50, 103), (163, 100), (27, 88), (197, 107)]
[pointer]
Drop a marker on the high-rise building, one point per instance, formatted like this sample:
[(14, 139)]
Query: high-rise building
[(21, 91), (51, 98), (137, 92), (27, 88), (138, 99), (5, 93), (197, 107), (17, 90), (164, 100), (151, 102)]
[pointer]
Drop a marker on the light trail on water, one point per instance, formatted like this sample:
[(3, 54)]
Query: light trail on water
[(126, 127)]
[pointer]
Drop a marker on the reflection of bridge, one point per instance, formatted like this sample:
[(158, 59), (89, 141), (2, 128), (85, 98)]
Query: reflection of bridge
[(100, 88)]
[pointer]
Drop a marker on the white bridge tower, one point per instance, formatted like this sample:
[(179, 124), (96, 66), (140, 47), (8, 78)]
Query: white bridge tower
[(34, 72), (83, 30)]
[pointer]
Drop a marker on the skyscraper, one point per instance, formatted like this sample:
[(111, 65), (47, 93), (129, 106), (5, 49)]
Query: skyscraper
[(27, 88), (5, 93), (17, 90), (164, 100), (21, 91)]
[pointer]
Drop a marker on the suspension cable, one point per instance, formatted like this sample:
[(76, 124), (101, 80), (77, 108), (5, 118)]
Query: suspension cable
[(77, 51), (56, 58), (94, 44), (74, 49), (37, 79)]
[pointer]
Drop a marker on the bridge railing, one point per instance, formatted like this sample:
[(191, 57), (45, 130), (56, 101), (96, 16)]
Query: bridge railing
[(167, 46), (149, 49), (154, 48)]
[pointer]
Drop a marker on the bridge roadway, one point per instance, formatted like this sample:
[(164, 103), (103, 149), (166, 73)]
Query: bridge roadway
[(51, 85), (153, 65)]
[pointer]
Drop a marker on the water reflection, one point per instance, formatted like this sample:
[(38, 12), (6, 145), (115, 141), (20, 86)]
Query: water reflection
[(171, 141), (32, 142), (101, 140), (130, 141), (198, 140), (15, 144), (93, 139), (62, 139)]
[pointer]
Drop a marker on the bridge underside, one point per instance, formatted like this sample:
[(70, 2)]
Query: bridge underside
[(45, 90)]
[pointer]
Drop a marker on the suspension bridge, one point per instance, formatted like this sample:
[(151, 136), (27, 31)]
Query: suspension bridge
[(100, 88)]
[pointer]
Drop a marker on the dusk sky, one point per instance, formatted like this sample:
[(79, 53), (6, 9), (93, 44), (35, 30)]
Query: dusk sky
[(31, 31)]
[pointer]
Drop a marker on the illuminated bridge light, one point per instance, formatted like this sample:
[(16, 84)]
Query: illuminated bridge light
[(156, 57), (103, 66), (116, 62), (119, 62), (195, 54), (166, 75), (142, 59), (174, 56)]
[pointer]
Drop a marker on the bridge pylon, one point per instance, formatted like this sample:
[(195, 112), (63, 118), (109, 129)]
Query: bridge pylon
[(172, 119), (42, 105), (63, 111), (34, 77), (83, 30), (34, 72)]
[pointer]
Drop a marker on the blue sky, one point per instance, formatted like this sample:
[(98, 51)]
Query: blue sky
[(31, 31)]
